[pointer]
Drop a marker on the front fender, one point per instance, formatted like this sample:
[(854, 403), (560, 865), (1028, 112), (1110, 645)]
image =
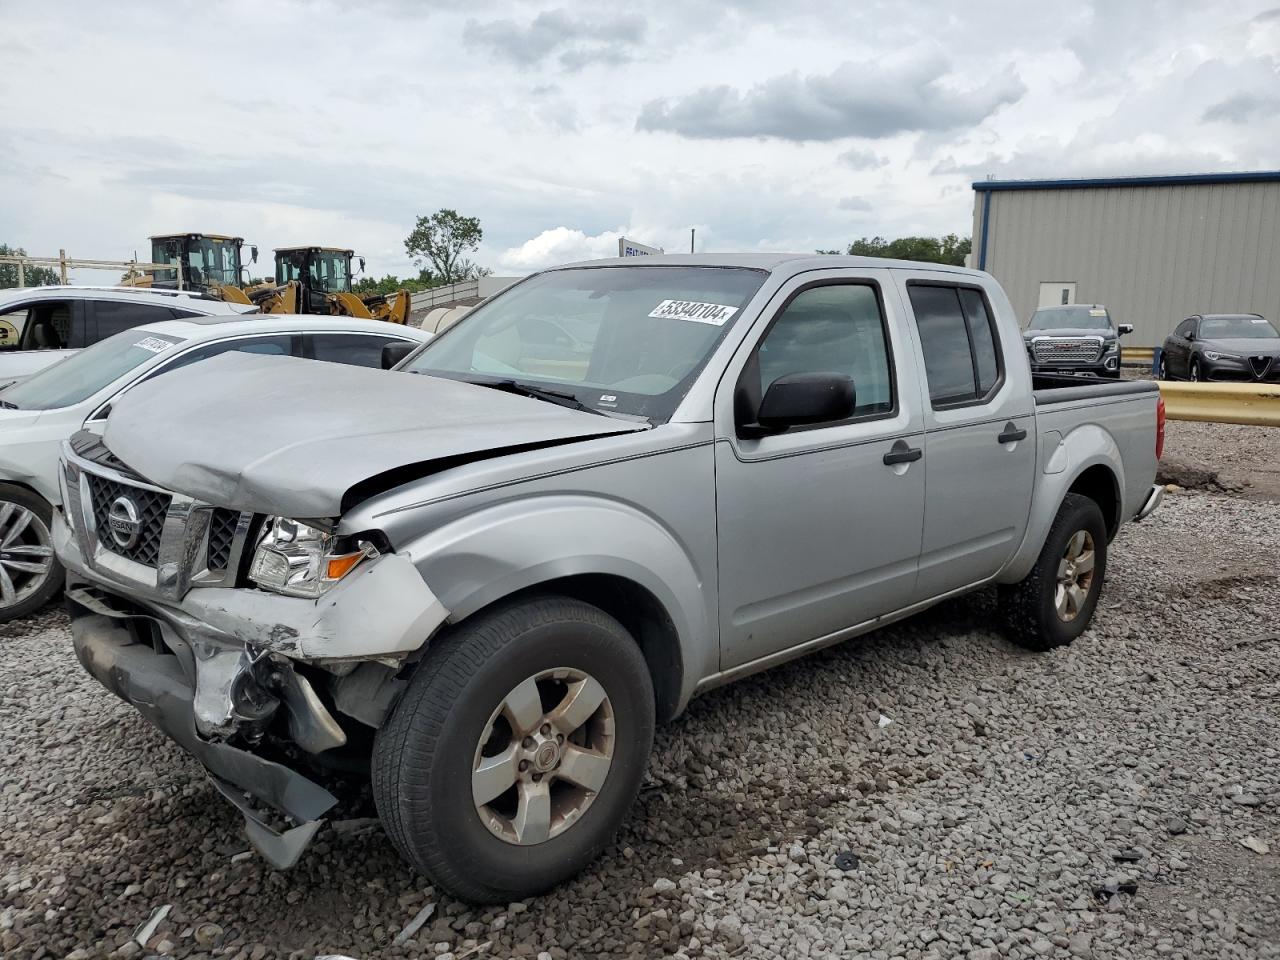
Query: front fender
[(495, 552), (1086, 446)]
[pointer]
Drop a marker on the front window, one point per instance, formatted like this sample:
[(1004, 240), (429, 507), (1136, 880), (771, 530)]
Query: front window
[(331, 271), (289, 266), (83, 374), (626, 340), (214, 262), (1072, 318), (1237, 328)]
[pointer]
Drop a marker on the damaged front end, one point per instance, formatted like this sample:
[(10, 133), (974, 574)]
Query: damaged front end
[(255, 685)]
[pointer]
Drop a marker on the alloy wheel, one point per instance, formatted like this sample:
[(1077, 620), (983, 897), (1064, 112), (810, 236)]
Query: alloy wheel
[(544, 756), (1075, 576), (26, 554)]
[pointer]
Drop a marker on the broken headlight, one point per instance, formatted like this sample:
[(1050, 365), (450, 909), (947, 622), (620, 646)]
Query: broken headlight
[(299, 560)]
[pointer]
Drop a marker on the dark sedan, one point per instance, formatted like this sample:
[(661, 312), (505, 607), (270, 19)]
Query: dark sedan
[(1243, 347)]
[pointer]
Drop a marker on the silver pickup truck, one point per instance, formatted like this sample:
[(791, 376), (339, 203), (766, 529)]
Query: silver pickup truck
[(485, 577)]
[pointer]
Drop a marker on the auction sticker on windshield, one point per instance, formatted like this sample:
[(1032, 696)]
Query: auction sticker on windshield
[(717, 314), (154, 344)]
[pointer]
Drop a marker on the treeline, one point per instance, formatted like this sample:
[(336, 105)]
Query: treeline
[(950, 249)]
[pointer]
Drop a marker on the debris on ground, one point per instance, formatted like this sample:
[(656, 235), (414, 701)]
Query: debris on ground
[(414, 925), (148, 929), (846, 860), (1256, 844)]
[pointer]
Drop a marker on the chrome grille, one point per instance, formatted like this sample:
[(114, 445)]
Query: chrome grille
[(222, 535), (1050, 350), (151, 507)]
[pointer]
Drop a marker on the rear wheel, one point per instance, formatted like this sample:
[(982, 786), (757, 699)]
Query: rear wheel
[(1055, 602), (517, 749), (30, 575)]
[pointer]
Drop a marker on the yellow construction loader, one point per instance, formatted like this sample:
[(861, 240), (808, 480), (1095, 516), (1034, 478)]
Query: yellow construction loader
[(319, 279), (203, 262)]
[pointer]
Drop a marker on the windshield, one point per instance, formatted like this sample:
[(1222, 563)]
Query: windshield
[(83, 374), (619, 339), (214, 261), (330, 272), (1071, 318), (1237, 328)]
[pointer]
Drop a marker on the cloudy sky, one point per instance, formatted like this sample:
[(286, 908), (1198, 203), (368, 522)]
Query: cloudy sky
[(562, 125)]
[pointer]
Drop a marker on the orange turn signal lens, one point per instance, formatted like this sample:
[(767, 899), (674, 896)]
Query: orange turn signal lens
[(339, 567)]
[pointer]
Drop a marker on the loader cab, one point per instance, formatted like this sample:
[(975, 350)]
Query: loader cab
[(206, 260), (318, 271)]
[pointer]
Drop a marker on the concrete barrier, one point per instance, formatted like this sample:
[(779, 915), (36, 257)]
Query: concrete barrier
[(1136, 356), (1251, 403)]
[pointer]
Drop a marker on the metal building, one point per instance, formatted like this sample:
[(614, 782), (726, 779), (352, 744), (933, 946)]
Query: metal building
[(1155, 250)]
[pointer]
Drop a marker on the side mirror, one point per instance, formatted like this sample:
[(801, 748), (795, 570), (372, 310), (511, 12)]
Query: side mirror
[(393, 353), (799, 399), (253, 253), (1125, 329), (362, 264), (1191, 334)]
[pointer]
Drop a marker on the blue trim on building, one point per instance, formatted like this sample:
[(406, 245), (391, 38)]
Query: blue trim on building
[(986, 219), (1179, 180)]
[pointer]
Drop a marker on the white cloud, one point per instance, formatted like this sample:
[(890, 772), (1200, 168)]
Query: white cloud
[(347, 135)]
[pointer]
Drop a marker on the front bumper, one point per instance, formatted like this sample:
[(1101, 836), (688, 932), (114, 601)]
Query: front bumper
[(155, 684), (213, 669)]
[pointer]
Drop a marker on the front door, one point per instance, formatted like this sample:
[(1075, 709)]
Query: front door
[(1057, 293), (816, 532), (979, 434)]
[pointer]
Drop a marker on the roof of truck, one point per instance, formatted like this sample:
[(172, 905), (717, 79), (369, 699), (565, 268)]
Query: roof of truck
[(312, 246), (790, 262), (195, 233)]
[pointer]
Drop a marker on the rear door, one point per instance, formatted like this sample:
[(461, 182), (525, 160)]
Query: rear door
[(817, 533), (979, 431)]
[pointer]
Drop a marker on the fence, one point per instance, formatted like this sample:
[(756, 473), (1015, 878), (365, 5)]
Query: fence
[(65, 263)]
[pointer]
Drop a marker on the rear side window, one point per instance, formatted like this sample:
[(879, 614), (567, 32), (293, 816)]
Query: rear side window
[(961, 359), (356, 349), (115, 316)]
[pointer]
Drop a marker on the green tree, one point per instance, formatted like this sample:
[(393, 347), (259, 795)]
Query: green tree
[(439, 241), (950, 249), (367, 286), (31, 276)]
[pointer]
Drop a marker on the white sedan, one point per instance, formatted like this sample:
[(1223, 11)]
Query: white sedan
[(39, 413)]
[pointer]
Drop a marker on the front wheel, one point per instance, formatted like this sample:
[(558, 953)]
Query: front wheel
[(516, 750), (1197, 374), (1054, 603), (1162, 370), (30, 575)]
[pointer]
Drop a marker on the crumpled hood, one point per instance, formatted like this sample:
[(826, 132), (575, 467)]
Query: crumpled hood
[(292, 437)]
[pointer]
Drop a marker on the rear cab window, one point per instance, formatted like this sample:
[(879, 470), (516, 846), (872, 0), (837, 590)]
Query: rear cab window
[(963, 364)]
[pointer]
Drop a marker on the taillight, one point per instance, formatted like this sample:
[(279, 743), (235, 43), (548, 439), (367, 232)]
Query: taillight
[(1159, 428)]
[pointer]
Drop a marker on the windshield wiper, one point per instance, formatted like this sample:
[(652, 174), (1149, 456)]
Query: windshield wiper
[(559, 398), (8, 405)]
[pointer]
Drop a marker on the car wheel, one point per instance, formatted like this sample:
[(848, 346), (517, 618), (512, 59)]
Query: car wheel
[(1162, 368), (1196, 373), (30, 575), (516, 750), (1055, 602)]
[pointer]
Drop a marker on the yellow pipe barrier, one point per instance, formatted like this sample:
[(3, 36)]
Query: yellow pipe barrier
[(1136, 356), (1252, 403)]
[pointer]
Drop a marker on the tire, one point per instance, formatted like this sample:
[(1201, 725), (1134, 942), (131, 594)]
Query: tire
[(26, 519), (1030, 608), (1162, 371), (1196, 374), (425, 755)]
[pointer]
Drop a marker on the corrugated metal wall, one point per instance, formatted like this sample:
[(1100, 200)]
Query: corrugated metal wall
[(1153, 254)]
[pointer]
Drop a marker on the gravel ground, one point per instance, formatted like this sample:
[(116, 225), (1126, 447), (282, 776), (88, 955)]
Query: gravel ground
[(1239, 459), (782, 816)]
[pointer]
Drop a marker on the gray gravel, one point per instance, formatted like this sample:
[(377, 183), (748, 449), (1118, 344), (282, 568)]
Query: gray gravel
[(980, 819)]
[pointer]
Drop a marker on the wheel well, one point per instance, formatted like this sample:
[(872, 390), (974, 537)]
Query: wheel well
[(1098, 483), (642, 614)]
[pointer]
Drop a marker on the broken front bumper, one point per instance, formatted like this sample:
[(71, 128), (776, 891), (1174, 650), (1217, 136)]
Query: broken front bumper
[(155, 684), (212, 671)]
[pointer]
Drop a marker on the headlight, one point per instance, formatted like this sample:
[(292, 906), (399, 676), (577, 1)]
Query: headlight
[(1110, 346), (299, 560), (1215, 355)]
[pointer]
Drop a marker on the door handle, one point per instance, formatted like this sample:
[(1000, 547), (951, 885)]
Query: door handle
[(901, 453), (1011, 433)]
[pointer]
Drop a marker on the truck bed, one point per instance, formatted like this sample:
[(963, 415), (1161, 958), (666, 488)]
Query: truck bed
[(1049, 389)]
